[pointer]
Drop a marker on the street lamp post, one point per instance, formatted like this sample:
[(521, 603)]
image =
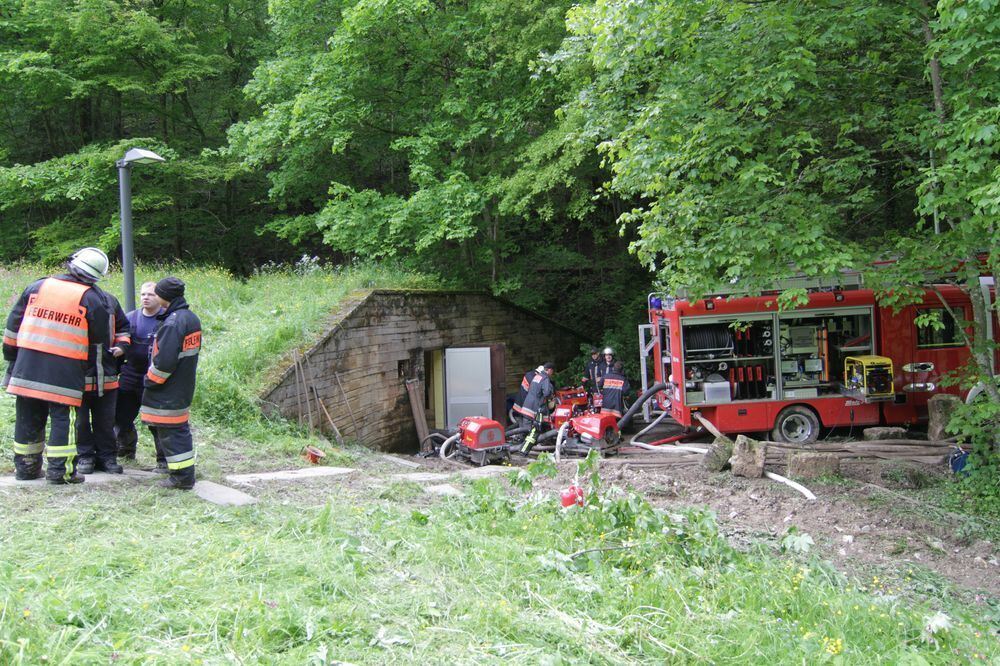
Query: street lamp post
[(133, 156)]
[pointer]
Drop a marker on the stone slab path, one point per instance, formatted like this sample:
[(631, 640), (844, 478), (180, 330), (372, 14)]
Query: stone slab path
[(289, 475), (95, 479), (222, 495)]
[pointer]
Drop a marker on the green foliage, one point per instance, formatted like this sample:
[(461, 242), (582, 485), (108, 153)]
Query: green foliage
[(979, 424), (417, 131), (83, 81)]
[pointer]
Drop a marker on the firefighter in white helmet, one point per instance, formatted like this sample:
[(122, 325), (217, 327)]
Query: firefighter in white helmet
[(605, 366), (49, 341)]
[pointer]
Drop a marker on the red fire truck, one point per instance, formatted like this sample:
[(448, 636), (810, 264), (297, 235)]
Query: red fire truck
[(839, 360)]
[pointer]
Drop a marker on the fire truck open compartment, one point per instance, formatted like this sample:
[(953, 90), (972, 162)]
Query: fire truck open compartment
[(740, 358)]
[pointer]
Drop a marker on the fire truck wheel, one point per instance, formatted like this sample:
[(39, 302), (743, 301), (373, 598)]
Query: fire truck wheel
[(796, 424)]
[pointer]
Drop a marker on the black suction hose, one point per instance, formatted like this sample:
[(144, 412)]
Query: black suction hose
[(637, 405)]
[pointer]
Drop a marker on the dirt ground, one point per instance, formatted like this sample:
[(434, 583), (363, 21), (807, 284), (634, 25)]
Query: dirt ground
[(867, 524)]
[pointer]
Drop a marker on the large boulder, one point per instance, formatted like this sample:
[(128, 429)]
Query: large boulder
[(717, 457), (748, 457), (813, 465), (874, 434), (939, 410)]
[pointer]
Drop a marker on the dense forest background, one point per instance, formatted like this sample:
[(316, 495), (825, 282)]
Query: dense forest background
[(568, 156)]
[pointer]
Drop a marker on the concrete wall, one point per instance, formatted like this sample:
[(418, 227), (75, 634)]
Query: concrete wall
[(374, 331)]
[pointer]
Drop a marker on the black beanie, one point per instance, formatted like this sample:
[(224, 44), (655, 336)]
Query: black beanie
[(170, 288)]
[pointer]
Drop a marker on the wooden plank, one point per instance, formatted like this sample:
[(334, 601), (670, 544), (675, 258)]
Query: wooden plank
[(413, 388)]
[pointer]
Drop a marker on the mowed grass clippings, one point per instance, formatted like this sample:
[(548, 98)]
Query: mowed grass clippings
[(134, 575)]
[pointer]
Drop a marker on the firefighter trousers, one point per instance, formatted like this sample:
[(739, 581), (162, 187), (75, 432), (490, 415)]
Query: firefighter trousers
[(126, 410), (95, 426), (178, 449), (30, 417)]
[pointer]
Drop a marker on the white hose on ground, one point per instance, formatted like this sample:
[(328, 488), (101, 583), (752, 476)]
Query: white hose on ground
[(635, 440), (791, 484), (560, 437), (669, 447), (443, 451)]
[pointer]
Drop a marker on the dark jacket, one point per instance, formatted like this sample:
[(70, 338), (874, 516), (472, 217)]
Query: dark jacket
[(522, 390), (603, 369), (136, 359), (538, 395), (590, 373), (50, 339), (613, 389), (105, 373), (170, 380)]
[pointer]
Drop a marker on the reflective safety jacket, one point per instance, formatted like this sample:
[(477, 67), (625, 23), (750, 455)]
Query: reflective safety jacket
[(603, 370), (50, 339), (539, 393), (522, 391), (170, 380), (613, 390), (102, 375)]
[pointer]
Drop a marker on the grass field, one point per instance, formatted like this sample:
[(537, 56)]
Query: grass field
[(325, 573)]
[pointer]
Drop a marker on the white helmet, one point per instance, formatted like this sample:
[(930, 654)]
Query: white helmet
[(89, 263), (608, 350)]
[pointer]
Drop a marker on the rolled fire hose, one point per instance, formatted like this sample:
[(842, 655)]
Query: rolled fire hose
[(444, 446)]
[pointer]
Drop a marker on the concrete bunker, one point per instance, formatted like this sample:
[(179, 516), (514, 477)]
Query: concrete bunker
[(464, 351)]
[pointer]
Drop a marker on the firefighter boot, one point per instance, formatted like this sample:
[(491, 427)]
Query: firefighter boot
[(27, 467), (109, 464), (127, 442), (181, 479), (62, 470), (85, 465)]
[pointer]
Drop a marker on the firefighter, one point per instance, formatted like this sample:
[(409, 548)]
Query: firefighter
[(49, 341), (520, 418), (96, 448), (143, 323), (590, 371), (170, 381), (536, 404), (613, 389), (605, 366)]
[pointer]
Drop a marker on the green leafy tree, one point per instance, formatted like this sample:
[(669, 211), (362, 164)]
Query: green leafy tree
[(765, 139), (420, 130)]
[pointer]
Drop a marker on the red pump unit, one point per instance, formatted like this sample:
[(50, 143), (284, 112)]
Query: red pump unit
[(479, 440)]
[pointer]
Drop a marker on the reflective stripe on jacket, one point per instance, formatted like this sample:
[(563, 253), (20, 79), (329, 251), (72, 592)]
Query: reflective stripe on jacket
[(54, 321), (538, 394), (170, 379), (522, 391), (114, 331), (50, 338), (613, 390)]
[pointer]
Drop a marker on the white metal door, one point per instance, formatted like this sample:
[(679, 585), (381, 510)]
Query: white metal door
[(467, 383)]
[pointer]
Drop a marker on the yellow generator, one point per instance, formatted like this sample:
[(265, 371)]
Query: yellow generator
[(869, 377)]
